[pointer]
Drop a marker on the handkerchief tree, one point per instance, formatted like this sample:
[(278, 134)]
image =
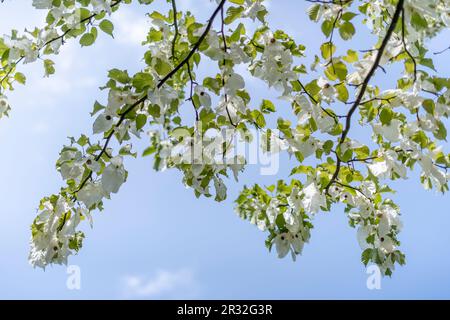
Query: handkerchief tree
[(328, 98)]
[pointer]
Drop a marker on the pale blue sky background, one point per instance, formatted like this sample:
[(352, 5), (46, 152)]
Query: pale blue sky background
[(155, 239)]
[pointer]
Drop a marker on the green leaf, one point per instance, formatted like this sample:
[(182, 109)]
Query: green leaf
[(418, 22), (441, 132), (49, 67), (348, 16), (141, 120), (366, 256), (267, 106), (87, 39), (258, 117), (342, 91), (148, 151), (107, 27), (142, 81), (429, 106), (233, 13), (326, 27), (20, 77), (313, 12), (119, 75), (327, 49), (427, 62), (386, 116), (346, 30), (336, 70), (352, 56), (97, 107)]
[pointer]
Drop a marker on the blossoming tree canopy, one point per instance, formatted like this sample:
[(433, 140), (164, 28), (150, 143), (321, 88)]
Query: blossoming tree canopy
[(328, 99)]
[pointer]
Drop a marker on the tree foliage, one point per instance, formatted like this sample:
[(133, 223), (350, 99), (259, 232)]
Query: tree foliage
[(328, 98)]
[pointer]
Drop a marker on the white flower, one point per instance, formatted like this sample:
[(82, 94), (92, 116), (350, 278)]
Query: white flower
[(289, 217), (385, 243), (324, 122), (90, 194), (214, 50), (231, 106), (113, 176), (391, 131), (327, 90), (252, 8), (388, 218), (163, 97), (103, 123), (221, 189), (384, 169), (306, 146), (437, 177), (233, 83), (101, 5), (297, 243), (275, 65), (282, 244), (50, 35), (4, 105), (237, 54), (294, 200), (289, 242), (362, 235), (203, 96), (273, 210), (313, 198), (49, 242), (117, 99), (362, 68)]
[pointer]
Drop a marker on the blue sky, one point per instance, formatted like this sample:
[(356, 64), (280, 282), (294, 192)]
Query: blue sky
[(155, 239)]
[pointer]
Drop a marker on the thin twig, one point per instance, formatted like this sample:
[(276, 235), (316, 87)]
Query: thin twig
[(404, 45), (175, 24)]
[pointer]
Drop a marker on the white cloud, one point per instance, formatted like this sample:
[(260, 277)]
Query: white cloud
[(179, 284), (131, 27)]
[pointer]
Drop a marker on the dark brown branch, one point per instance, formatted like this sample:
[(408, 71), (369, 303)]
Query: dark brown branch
[(365, 83), (442, 51), (362, 159), (195, 48)]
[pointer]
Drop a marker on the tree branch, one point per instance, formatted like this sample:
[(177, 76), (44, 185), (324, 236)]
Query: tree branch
[(365, 83), (195, 48)]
